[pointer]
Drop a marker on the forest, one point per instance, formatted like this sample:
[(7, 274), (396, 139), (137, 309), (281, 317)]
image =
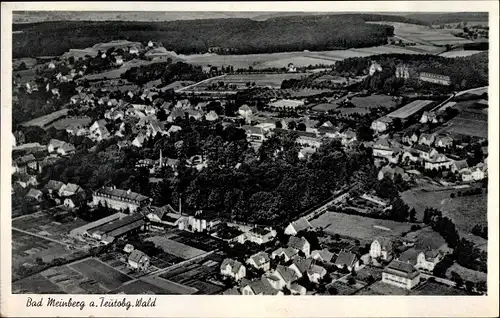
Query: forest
[(167, 72), (240, 36)]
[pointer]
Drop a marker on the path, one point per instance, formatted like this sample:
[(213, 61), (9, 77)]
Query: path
[(195, 84)]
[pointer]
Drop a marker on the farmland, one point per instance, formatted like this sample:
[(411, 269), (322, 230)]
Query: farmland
[(115, 73), (66, 122), (434, 288), (141, 287), (465, 211), (467, 274), (380, 288), (470, 123), (176, 248), (459, 53), (359, 227), (45, 120), (98, 271), (36, 284)]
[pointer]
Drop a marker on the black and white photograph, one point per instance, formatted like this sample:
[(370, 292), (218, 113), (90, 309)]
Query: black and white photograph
[(245, 153)]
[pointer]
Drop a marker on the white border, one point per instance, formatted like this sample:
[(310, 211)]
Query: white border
[(238, 306)]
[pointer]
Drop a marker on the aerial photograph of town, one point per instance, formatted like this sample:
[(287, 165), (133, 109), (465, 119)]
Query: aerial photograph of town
[(249, 153)]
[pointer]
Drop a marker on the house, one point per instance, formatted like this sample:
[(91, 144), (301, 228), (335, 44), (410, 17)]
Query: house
[(282, 277), (165, 215), (299, 225), (195, 114), (426, 139), (443, 141), (374, 68), (24, 164), (98, 130), (473, 174), (306, 139), (54, 144), (315, 273), (25, 180), (323, 255), (114, 115), (119, 199), (233, 268), (69, 189), (260, 235), (437, 161), (260, 260), (424, 151), (427, 260), (138, 260), (133, 50), (66, 149), (34, 194), (139, 140), (306, 153), (401, 274), (287, 253), (300, 244), (229, 234), (198, 221), (329, 132), (232, 291), (211, 116), (255, 134), (348, 137), (435, 78), (259, 287), (382, 124), (410, 137), (382, 148), (176, 113), (75, 200), (347, 259), (291, 68), (173, 129), (300, 265), (382, 247), (459, 165), (429, 117), (296, 289)]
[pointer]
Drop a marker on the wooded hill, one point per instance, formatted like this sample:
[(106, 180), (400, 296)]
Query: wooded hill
[(238, 36)]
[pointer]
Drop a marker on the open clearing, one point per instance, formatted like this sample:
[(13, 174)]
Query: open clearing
[(176, 248), (434, 288), (66, 122), (141, 287), (98, 271), (359, 227), (169, 286)]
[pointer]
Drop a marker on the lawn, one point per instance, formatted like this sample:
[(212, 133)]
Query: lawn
[(102, 273), (366, 271), (175, 248), (359, 227), (323, 107), (46, 119), (459, 53), (169, 286), (342, 289), (374, 101), (66, 122), (36, 284)]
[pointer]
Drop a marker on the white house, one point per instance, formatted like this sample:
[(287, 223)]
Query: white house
[(282, 277), (233, 268), (296, 226), (260, 260), (287, 253), (382, 124), (382, 247), (260, 235), (323, 255), (401, 274), (427, 260), (138, 260), (315, 273)]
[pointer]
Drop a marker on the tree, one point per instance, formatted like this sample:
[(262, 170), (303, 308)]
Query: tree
[(333, 291), (413, 215), (364, 133), (301, 127), (469, 286), (279, 125), (457, 279), (351, 280)]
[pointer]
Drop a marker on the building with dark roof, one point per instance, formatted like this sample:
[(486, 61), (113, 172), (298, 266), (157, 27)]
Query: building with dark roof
[(119, 199), (401, 274)]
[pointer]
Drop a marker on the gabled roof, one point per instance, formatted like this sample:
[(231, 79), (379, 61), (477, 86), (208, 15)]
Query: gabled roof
[(260, 258), (56, 143), (302, 263), (422, 148), (382, 142), (400, 268), (461, 164), (297, 243), (345, 258), (25, 159), (286, 273), (71, 187), (316, 269), (261, 286), (385, 243), (232, 291), (234, 264), (33, 193), (289, 251), (325, 254), (137, 256), (67, 147), (301, 224)]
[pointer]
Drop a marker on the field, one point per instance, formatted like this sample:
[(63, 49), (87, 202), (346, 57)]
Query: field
[(119, 262), (424, 35), (433, 288), (140, 287), (66, 122), (469, 123), (169, 286), (459, 53), (54, 223), (366, 271), (379, 288), (324, 107), (374, 101), (73, 282), (465, 211), (176, 248), (342, 289), (359, 227), (115, 73), (98, 271), (36, 284), (467, 274), (46, 119)]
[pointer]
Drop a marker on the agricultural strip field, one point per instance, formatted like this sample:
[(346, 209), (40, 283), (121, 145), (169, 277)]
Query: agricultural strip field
[(115, 73), (141, 287), (36, 284), (98, 271), (459, 53), (169, 286), (176, 248), (66, 122), (73, 282), (42, 121), (359, 227)]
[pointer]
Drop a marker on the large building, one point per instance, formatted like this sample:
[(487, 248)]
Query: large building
[(435, 78), (287, 104), (401, 274), (410, 109), (119, 199)]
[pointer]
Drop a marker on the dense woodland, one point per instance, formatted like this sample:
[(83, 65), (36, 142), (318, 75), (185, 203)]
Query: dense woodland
[(235, 36), (167, 72)]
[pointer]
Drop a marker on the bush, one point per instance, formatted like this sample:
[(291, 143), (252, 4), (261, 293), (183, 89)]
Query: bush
[(351, 280)]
